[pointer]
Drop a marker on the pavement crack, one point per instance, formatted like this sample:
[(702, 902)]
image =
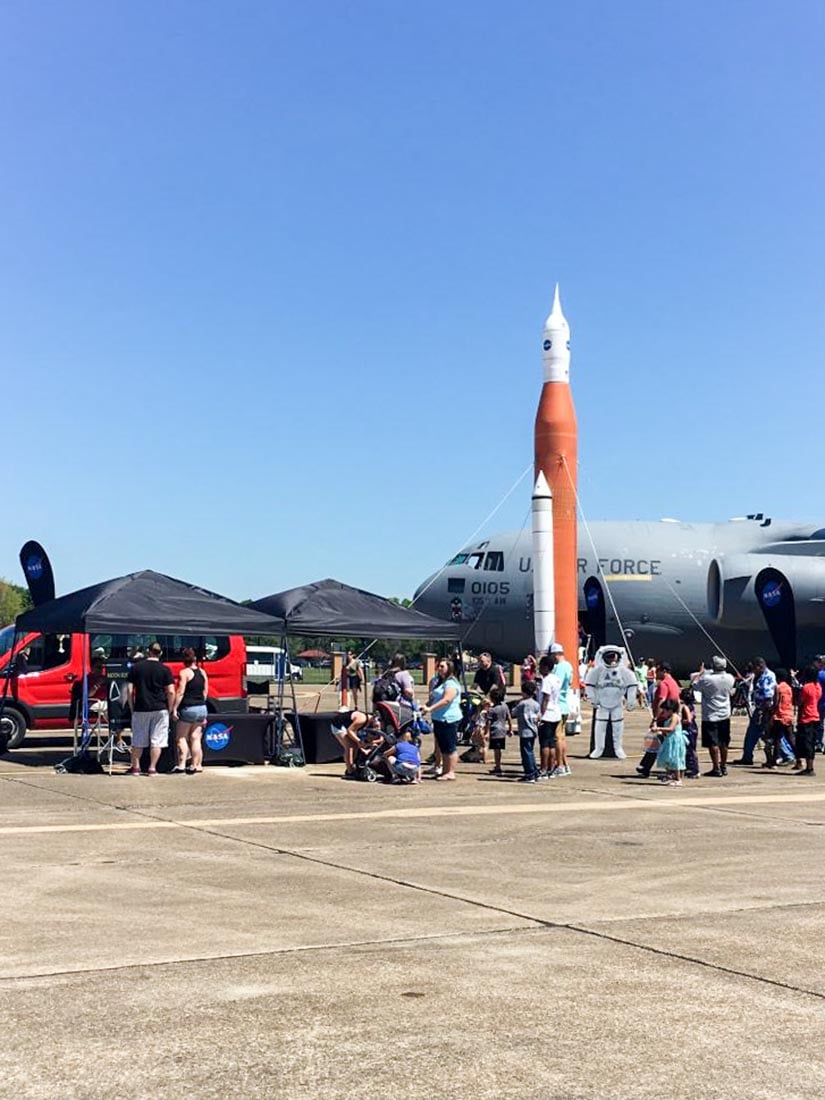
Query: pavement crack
[(295, 949), (539, 922)]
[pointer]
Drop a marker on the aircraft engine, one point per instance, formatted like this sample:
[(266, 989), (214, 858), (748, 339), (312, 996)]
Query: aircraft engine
[(746, 589)]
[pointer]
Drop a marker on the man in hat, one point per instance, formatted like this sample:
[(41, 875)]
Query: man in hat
[(716, 686)]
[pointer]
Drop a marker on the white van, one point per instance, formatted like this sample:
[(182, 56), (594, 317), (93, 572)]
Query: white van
[(263, 662)]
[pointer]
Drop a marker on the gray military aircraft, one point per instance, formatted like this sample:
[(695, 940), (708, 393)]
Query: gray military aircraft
[(751, 586)]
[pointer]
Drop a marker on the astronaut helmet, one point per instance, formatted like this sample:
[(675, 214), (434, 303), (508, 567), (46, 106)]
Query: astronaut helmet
[(610, 656)]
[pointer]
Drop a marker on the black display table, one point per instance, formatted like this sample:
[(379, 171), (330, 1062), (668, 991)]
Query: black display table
[(227, 739), (320, 746)]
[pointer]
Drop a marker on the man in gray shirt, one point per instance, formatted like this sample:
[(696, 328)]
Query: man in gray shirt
[(715, 685)]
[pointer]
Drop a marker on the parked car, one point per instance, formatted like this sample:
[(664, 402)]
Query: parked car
[(266, 662)]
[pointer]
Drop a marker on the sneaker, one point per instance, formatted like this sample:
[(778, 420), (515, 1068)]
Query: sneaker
[(434, 771), (557, 772), (527, 779), (541, 777), (121, 746), (692, 775), (714, 773), (496, 771), (642, 771), (567, 770), (724, 770), (742, 763)]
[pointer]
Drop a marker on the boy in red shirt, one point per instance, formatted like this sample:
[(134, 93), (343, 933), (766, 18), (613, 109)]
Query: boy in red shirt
[(807, 720), (780, 724)]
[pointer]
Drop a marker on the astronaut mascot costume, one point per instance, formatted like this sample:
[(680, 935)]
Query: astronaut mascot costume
[(610, 686)]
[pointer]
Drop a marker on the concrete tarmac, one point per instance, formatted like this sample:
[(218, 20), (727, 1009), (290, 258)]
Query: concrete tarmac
[(263, 932)]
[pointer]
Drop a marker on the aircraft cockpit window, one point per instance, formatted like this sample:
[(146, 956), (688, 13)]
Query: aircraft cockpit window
[(494, 562), (475, 560), (459, 559)]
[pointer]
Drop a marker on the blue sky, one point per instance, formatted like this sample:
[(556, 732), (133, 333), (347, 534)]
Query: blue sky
[(273, 275)]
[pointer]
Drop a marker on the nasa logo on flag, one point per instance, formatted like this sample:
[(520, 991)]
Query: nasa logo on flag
[(217, 736), (34, 567)]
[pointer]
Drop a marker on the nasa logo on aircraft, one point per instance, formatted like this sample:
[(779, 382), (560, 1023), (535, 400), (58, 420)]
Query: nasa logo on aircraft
[(217, 736), (772, 593), (547, 345), (34, 567)]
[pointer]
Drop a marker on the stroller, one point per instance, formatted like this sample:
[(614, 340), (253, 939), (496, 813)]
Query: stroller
[(471, 702)]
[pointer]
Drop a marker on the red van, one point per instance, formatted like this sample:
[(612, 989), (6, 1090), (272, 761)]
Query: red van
[(40, 697)]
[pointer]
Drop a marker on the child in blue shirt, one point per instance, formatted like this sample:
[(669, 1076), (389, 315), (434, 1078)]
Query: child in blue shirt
[(404, 759)]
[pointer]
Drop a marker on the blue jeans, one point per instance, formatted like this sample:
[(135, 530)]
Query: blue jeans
[(756, 728), (528, 757)]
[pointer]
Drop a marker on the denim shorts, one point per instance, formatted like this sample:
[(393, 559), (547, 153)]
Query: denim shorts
[(193, 714), (446, 736)]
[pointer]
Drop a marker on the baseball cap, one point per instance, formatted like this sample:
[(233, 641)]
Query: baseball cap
[(719, 663), (556, 647)]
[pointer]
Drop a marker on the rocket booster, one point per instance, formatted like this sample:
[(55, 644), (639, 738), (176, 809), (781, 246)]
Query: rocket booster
[(556, 446), (544, 604)]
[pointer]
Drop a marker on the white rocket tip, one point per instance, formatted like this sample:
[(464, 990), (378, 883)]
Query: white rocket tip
[(555, 318), (541, 488)]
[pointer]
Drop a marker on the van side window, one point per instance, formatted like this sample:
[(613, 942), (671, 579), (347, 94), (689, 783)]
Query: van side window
[(49, 651)]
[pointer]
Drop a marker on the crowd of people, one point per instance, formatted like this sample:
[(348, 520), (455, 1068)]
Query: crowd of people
[(785, 708)]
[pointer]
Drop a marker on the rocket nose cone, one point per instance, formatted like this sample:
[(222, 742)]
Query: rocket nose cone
[(555, 318), (541, 488)]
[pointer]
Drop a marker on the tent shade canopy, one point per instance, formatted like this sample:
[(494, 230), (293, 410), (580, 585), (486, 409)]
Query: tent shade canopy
[(334, 609), (146, 602)]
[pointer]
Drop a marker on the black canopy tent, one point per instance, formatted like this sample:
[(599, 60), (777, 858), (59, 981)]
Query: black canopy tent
[(329, 608), (139, 602), (146, 602), (333, 609)]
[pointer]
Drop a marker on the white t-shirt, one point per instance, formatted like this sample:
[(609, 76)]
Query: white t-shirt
[(549, 698)]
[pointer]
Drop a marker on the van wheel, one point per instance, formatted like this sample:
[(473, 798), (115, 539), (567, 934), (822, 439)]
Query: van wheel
[(12, 729)]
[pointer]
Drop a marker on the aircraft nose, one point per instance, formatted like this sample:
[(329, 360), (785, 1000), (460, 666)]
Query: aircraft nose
[(423, 594)]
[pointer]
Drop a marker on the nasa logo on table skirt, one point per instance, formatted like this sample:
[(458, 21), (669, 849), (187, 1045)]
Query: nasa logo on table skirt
[(217, 736)]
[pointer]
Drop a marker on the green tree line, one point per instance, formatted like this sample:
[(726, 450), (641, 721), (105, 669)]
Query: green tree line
[(13, 601)]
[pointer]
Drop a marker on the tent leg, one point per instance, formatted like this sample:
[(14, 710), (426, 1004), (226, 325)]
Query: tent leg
[(86, 736), (298, 738)]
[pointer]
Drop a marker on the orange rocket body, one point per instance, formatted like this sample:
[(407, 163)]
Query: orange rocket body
[(556, 447), (556, 444)]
